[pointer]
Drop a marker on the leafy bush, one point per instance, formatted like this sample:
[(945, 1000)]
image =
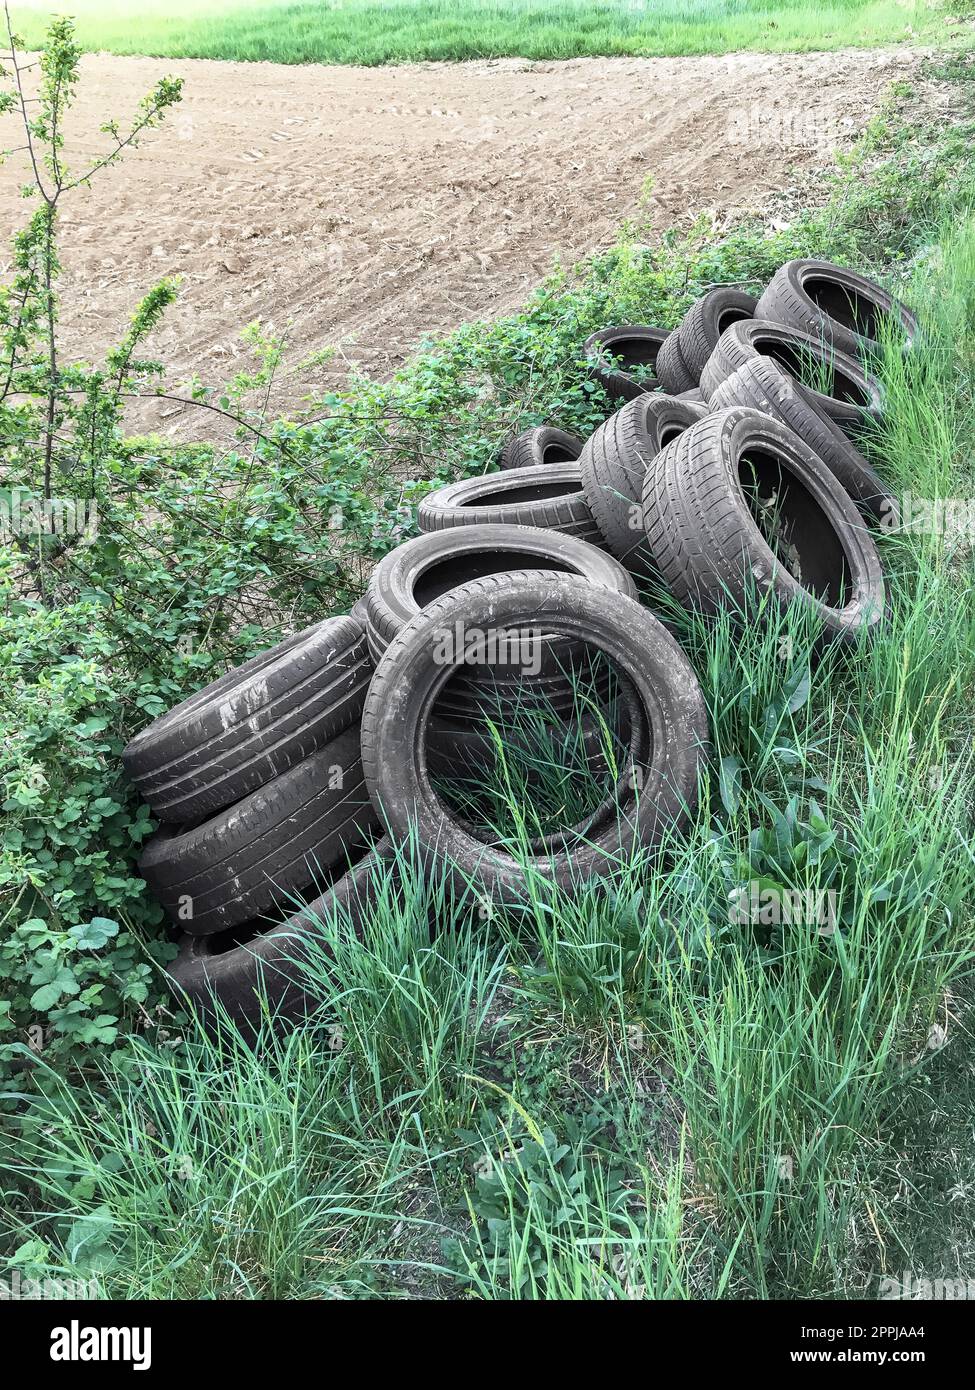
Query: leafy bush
[(130, 574), (66, 968)]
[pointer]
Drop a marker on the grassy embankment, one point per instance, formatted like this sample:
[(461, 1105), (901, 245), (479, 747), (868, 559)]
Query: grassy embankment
[(620, 1092)]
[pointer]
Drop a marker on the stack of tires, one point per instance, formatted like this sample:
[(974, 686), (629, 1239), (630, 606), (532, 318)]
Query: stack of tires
[(283, 788), (259, 786), (749, 412)]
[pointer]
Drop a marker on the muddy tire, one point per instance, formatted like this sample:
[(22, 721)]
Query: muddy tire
[(614, 463), (548, 497), (420, 570), (704, 323), (256, 975), (539, 448), (247, 858), (852, 394), (671, 370), (248, 727), (637, 346), (835, 305), (425, 567), (763, 386), (711, 550), (666, 751)]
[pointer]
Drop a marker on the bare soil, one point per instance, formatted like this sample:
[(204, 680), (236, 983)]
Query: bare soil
[(370, 207)]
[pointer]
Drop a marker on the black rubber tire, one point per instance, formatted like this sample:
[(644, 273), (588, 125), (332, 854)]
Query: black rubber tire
[(548, 497), (540, 447), (613, 465), (695, 397), (710, 549), (671, 369), (854, 393), (835, 305), (636, 345), (249, 857), (261, 977), (763, 385), (667, 752), (248, 727), (471, 552), (704, 323)]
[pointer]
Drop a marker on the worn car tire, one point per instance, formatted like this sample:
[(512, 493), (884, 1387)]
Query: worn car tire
[(636, 345), (548, 496), (425, 567), (853, 394), (835, 305), (671, 370), (540, 447), (763, 385), (711, 550), (667, 747), (261, 978), (252, 724), (614, 462), (248, 857), (704, 323)]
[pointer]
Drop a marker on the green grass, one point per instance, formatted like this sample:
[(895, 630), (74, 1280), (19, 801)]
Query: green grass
[(607, 1094), (612, 1093), (927, 1217), (399, 31)]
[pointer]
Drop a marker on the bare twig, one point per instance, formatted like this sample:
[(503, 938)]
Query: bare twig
[(18, 71)]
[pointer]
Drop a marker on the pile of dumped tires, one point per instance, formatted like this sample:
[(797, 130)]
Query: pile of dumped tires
[(723, 474)]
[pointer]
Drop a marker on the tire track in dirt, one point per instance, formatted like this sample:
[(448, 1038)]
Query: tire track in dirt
[(376, 206)]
